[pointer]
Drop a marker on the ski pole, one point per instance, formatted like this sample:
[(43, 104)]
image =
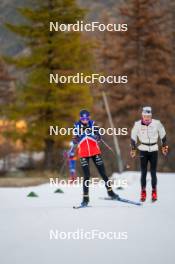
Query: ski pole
[(62, 167), (108, 147), (136, 157), (65, 159), (69, 151)]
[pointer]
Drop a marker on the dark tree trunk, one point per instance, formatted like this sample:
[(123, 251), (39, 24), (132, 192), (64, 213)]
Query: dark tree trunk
[(49, 154)]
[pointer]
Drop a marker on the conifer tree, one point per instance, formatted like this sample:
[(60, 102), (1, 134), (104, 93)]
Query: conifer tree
[(144, 54), (40, 103), (146, 57), (7, 88)]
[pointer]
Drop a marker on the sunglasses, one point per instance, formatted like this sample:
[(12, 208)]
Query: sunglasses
[(147, 112), (84, 119)]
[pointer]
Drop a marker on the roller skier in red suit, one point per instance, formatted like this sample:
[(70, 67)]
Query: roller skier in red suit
[(87, 139)]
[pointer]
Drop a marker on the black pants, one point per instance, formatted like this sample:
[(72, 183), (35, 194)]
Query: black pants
[(97, 159), (146, 157)]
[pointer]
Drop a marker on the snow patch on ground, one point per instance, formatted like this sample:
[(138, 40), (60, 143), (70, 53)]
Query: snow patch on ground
[(26, 224)]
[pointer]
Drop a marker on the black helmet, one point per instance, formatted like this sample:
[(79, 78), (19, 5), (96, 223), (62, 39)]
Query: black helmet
[(84, 115)]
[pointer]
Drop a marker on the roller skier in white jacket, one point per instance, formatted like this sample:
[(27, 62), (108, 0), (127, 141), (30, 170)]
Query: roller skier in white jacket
[(147, 131)]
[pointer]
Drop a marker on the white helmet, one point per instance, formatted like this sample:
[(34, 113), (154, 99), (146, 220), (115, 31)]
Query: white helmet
[(147, 110)]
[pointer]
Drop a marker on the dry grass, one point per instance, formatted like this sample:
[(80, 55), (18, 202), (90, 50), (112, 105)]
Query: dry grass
[(25, 179), (21, 182)]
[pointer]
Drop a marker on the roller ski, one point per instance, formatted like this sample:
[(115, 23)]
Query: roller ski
[(123, 200), (84, 203), (81, 206)]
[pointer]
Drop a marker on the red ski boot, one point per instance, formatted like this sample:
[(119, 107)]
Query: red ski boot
[(143, 195), (154, 195)]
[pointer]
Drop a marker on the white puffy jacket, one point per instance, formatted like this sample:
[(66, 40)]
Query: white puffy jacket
[(148, 135)]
